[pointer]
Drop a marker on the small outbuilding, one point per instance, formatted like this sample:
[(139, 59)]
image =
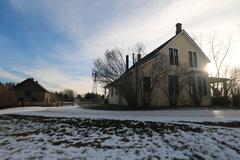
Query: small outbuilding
[(31, 93)]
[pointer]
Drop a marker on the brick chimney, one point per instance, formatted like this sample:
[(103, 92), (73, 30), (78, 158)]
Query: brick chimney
[(133, 58), (138, 57), (178, 28), (127, 62)]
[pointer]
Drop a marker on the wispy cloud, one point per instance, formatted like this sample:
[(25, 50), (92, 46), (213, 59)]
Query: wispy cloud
[(8, 75), (53, 78), (91, 27), (151, 22)]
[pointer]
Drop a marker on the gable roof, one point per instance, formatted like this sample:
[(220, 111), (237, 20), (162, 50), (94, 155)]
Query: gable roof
[(157, 50), (32, 81), (195, 44), (143, 60), (150, 55)]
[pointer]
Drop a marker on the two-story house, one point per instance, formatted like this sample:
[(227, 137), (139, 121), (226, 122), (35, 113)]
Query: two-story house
[(173, 74)]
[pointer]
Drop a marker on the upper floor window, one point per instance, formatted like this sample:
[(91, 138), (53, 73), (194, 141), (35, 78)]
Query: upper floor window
[(173, 56), (146, 84), (28, 93), (193, 59)]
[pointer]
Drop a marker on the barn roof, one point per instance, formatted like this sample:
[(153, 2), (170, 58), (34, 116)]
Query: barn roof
[(32, 81)]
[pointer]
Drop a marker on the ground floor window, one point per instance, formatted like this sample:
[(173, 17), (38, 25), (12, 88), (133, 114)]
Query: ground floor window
[(202, 86), (34, 99), (192, 85), (173, 85), (111, 91), (146, 84), (116, 91), (197, 85)]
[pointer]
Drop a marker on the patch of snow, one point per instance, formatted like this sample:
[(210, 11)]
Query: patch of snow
[(153, 115), (62, 138)]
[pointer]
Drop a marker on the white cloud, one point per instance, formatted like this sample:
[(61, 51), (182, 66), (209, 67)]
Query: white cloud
[(151, 22), (56, 80), (9, 75), (157, 23)]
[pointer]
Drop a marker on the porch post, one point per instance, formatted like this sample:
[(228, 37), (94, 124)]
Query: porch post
[(225, 89), (105, 92)]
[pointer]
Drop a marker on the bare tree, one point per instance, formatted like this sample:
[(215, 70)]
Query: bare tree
[(130, 84), (181, 72), (139, 48), (234, 81), (198, 39), (127, 88), (111, 67), (219, 51), (159, 71), (56, 99), (68, 95), (7, 95)]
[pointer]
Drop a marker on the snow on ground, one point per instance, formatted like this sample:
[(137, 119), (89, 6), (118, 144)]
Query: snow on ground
[(153, 115), (33, 137)]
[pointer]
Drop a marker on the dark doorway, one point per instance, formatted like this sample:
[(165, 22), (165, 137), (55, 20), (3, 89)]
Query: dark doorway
[(21, 102)]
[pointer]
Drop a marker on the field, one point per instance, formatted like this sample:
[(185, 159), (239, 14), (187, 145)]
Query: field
[(36, 137)]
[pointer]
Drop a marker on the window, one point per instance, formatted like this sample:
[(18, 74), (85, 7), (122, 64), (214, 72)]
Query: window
[(34, 100), (193, 59), (199, 82), (28, 93), (176, 56), (202, 86), (173, 56), (192, 86), (111, 91), (204, 83), (146, 84), (173, 85)]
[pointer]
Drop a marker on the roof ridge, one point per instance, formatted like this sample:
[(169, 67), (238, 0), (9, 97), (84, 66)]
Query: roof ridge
[(32, 80), (150, 55), (146, 58)]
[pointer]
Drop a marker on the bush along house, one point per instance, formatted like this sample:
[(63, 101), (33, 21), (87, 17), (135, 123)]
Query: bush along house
[(174, 74), (31, 93)]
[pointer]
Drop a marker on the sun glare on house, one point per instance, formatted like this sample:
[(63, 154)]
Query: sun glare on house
[(211, 69)]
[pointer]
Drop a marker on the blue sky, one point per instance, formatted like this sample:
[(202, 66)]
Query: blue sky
[(56, 41)]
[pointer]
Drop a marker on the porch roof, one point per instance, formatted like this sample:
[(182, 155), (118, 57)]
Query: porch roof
[(217, 80)]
